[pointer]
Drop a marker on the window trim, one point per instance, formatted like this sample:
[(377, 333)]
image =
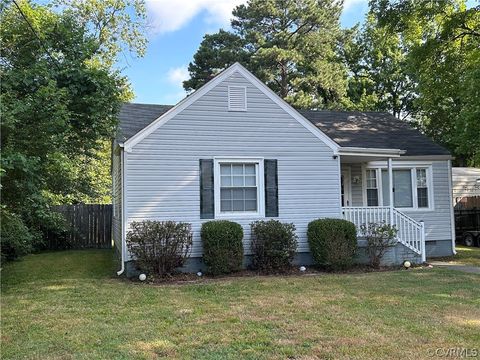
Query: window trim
[(413, 176), (260, 213)]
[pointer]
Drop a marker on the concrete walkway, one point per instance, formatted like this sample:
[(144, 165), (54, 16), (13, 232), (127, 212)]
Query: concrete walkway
[(459, 267)]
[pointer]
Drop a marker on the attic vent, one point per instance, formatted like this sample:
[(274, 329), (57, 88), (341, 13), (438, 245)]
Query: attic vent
[(237, 98)]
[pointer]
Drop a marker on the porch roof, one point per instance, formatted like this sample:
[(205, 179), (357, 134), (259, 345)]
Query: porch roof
[(375, 130)]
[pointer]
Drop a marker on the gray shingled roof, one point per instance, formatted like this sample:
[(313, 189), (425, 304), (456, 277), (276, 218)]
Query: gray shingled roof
[(346, 128), (372, 130), (134, 117)]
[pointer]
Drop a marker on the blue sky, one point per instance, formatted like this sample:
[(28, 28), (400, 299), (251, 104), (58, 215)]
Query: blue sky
[(176, 28)]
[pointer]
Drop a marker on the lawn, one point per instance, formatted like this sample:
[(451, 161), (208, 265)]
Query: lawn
[(465, 255), (68, 305)]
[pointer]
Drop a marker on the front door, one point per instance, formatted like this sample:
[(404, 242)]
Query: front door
[(346, 187)]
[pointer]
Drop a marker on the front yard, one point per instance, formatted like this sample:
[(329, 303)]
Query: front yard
[(465, 255), (67, 305)]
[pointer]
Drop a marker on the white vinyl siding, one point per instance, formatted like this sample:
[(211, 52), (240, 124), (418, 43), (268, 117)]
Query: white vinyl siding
[(163, 168)]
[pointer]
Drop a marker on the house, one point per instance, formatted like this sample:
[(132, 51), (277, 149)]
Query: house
[(234, 150)]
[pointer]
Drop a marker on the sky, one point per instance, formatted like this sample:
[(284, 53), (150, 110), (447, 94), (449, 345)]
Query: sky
[(176, 28)]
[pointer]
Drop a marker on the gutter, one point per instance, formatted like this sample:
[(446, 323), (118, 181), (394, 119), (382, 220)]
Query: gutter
[(370, 151)]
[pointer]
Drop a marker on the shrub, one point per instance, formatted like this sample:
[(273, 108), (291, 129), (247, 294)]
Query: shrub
[(332, 242), (16, 239), (53, 233), (222, 246), (380, 237), (273, 245), (159, 247)]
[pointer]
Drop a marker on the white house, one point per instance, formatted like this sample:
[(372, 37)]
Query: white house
[(234, 150)]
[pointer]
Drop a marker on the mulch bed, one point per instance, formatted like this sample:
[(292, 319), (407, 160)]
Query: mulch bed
[(191, 278)]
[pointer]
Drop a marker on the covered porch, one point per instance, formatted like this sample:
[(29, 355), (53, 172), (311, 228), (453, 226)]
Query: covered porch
[(367, 196)]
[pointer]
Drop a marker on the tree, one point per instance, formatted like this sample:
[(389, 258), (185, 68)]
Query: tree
[(378, 70), (216, 52), (58, 108), (443, 41), (290, 45), (117, 25)]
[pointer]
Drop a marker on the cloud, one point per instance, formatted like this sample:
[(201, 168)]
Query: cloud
[(347, 4), (176, 76), (171, 15)]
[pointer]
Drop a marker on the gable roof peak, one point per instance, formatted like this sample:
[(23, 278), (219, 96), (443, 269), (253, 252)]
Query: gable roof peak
[(162, 119)]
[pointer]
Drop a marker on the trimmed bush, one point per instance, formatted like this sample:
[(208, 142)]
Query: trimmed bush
[(273, 245), (16, 239), (222, 246), (159, 247), (333, 242)]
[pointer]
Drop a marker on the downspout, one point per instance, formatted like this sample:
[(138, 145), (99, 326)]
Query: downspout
[(390, 189), (122, 173), (339, 166), (452, 215)]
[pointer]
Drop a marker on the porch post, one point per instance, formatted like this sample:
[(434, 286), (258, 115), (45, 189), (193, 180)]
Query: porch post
[(390, 189)]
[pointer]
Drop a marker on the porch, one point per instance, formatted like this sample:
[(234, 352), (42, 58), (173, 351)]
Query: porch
[(366, 194)]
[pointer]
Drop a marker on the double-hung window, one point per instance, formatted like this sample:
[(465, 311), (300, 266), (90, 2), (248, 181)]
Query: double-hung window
[(422, 188), (239, 187), (372, 187)]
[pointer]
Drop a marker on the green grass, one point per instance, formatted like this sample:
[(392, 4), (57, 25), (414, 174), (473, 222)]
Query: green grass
[(465, 255), (68, 305)]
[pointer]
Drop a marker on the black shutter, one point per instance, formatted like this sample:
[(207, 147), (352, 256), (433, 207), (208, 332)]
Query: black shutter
[(271, 188), (207, 201)]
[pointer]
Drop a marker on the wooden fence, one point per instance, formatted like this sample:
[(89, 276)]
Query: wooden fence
[(467, 202), (89, 226)]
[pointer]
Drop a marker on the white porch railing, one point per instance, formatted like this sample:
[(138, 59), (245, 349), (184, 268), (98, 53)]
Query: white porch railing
[(411, 233)]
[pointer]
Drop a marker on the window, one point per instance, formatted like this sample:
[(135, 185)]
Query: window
[(238, 187), (422, 188), (402, 188), (372, 188), (410, 188)]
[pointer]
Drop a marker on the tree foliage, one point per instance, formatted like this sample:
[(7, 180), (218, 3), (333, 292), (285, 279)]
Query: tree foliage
[(290, 45), (378, 70), (443, 45), (59, 109), (418, 60), (117, 25)]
